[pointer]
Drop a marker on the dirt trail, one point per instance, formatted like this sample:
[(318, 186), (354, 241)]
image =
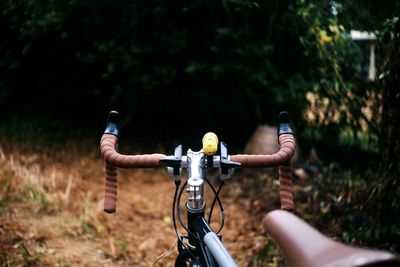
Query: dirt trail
[(51, 214)]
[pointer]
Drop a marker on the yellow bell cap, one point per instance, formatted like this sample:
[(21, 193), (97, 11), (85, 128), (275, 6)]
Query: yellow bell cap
[(210, 143)]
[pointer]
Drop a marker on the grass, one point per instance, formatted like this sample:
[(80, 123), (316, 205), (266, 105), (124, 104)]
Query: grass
[(364, 141), (88, 218), (269, 256), (35, 186), (22, 129), (123, 246)]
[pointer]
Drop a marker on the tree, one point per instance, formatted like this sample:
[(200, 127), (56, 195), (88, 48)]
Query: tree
[(240, 61), (339, 90), (390, 130), (383, 202)]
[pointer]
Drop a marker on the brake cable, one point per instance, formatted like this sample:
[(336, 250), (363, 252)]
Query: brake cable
[(179, 235), (178, 210), (216, 199)]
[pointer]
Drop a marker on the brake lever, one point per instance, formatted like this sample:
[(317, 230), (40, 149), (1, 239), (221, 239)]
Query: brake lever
[(284, 123), (112, 125), (225, 163), (174, 161)]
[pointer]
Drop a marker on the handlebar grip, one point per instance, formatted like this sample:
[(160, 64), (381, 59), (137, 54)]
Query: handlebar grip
[(114, 160), (286, 186), (111, 173), (285, 170), (110, 194)]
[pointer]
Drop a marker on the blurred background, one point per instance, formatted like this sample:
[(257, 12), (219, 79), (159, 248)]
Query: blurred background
[(175, 70)]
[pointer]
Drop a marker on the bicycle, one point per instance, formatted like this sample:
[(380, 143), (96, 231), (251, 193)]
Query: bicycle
[(202, 246)]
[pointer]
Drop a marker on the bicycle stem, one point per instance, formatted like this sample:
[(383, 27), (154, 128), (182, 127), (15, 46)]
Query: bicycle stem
[(196, 164)]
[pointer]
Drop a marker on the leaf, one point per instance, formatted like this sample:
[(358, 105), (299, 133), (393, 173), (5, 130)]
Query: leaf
[(194, 67)]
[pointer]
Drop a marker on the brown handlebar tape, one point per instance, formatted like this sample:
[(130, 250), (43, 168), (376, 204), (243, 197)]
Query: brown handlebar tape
[(285, 154), (113, 160), (281, 158), (111, 156), (110, 195), (286, 187)]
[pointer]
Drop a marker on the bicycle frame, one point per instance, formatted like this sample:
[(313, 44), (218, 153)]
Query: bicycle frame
[(204, 248), (207, 250)]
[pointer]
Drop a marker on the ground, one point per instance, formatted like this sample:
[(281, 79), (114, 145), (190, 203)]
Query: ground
[(51, 211)]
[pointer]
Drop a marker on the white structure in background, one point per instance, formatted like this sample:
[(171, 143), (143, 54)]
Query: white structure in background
[(370, 39)]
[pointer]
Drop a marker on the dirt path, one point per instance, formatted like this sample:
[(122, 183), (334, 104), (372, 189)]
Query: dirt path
[(51, 214)]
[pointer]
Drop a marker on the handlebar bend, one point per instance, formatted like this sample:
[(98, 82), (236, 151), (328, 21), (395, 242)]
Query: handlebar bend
[(113, 159)]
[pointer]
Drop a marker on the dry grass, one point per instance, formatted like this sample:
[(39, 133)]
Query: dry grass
[(38, 197), (51, 212)]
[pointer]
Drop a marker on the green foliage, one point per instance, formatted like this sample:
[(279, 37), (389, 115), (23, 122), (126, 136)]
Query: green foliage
[(26, 129), (123, 246), (5, 195), (364, 142), (337, 82), (37, 199), (270, 255), (78, 59), (367, 15), (347, 205)]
